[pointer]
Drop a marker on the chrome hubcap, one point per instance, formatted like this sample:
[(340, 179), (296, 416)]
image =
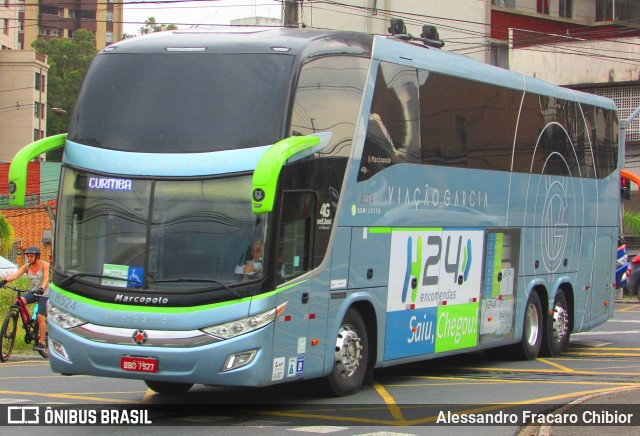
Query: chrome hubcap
[(348, 351), (532, 325), (560, 322)]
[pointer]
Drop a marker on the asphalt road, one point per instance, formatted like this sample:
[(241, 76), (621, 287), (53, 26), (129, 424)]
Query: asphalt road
[(407, 399)]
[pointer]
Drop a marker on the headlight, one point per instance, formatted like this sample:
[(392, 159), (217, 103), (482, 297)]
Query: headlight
[(62, 318), (245, 325)]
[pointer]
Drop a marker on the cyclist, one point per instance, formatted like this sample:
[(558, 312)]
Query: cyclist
[(37, 271)]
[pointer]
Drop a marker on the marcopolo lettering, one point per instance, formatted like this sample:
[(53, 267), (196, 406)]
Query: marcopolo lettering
[(136, 299)]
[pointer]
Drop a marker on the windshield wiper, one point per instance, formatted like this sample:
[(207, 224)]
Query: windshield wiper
[(190, 280), (73, 277)]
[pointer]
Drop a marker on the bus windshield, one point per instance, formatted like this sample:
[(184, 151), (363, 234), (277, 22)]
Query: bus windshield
[(182, 102), (156, 235)]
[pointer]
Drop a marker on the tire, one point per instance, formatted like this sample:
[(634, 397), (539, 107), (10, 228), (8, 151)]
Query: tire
[(529, 346), (557, 332), (168, 388), (8, 335), (351, 356)]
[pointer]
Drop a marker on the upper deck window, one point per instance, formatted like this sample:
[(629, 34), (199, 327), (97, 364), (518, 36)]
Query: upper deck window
[(182, 102)]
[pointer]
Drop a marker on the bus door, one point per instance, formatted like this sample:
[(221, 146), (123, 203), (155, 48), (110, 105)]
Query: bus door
[(293, 351)]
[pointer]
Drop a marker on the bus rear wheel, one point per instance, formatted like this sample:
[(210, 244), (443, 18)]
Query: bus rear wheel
[(557, 334), (351, 356), (529, 346), (168, 387)]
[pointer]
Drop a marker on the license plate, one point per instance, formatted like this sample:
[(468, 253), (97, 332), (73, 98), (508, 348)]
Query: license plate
[(139, 364)]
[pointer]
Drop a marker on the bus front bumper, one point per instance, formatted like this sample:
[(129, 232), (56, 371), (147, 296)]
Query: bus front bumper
[(207, 364)]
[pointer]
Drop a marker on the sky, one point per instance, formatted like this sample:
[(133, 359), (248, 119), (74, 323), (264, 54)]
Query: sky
[(185, 13)]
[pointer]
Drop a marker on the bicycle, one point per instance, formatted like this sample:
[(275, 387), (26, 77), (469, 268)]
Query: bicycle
[(9, 329)]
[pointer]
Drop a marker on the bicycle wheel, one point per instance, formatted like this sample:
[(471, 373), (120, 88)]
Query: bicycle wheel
[(8, 335)]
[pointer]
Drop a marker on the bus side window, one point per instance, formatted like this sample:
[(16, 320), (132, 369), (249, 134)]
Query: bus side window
[(393, 132), (295, 249)]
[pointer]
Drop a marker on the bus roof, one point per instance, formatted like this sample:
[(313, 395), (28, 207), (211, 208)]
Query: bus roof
[(302, 42), (307, 43)]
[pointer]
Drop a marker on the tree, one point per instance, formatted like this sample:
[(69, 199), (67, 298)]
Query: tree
[(69, 60), (152, 26), (6, 235)]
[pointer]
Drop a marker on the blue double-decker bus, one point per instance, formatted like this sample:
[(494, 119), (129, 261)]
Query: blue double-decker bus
[(253, 206)]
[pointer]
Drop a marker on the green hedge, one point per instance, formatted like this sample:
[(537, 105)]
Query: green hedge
[(631, 223)]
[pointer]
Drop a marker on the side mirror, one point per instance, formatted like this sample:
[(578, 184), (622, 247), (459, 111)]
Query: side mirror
[(267, 172), (20, 162)]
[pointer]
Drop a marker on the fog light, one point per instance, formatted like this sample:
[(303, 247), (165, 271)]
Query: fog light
[(59, 349), (237, 360)]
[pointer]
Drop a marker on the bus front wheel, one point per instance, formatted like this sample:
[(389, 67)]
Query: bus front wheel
[(351, 356), (168, 387)]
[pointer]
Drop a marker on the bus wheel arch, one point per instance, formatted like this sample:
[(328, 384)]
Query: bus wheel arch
[(353, 351), (558, 323)]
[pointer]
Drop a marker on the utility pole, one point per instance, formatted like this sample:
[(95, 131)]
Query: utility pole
[(290, 13)]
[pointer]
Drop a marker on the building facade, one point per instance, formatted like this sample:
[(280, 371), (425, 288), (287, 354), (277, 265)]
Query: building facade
[(23, 100), (55, 19), (32, 224), (23, 73)]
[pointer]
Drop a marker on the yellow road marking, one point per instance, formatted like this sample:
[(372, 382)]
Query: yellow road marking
[(426, 420), (389, 401), (147, 395), (596, 353), (556, 365), (511, 381), (601, 348), (68, 397), (627, 309), (548, 371)]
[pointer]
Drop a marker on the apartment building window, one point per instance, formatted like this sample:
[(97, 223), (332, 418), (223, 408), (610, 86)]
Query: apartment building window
[(51, 10), (36, 109), (109, 17), (542, 6), (499, 55), (511, 4), (109, 37), (36, 134), (5, 26), (565, 7), (40, 82), (21, 6)]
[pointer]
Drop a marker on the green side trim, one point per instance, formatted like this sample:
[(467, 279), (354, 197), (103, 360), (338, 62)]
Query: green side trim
[(381, 230), (265, 176), (19, 165), (164, 310), (385, 230)]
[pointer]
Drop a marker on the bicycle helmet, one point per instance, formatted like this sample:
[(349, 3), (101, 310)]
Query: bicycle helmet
[(33, 250)]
